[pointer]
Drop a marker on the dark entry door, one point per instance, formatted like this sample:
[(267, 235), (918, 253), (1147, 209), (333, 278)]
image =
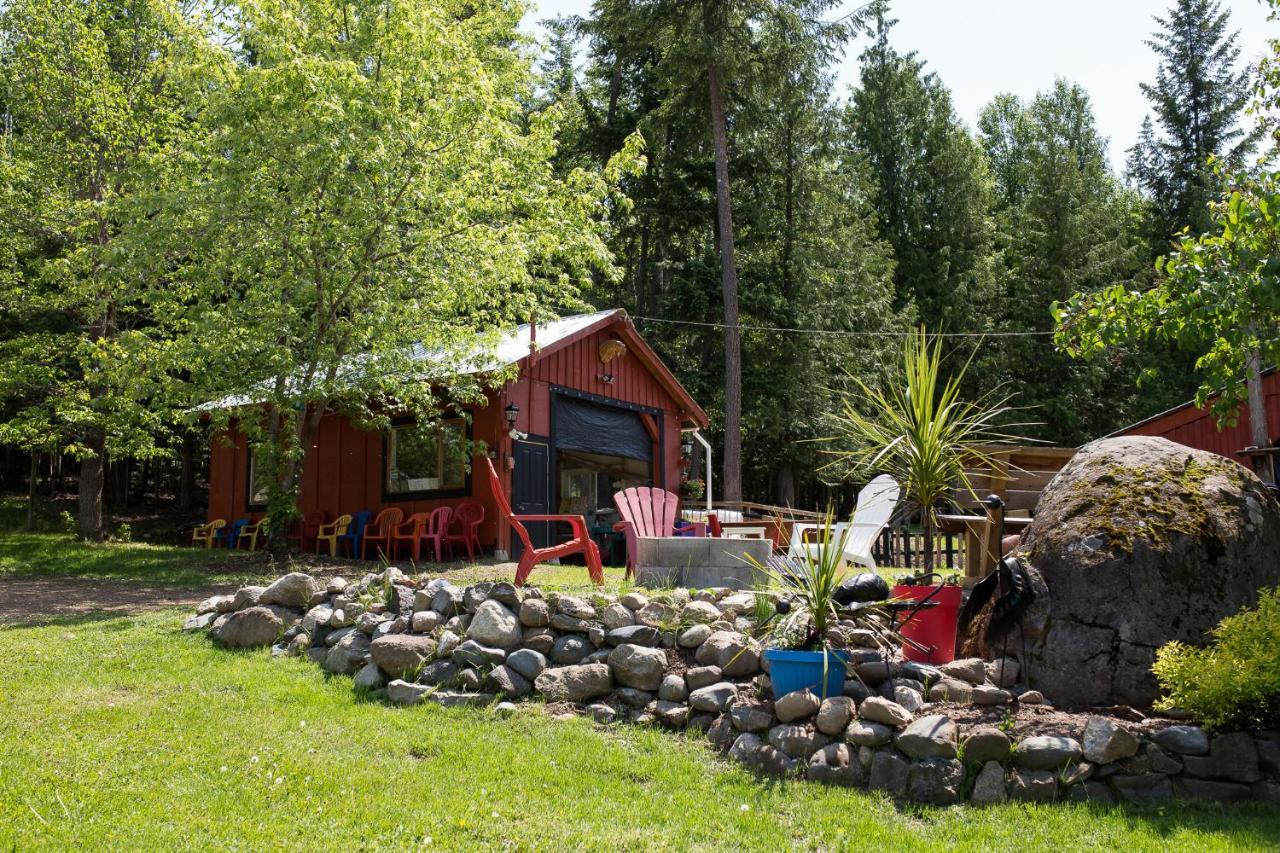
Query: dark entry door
[(531, 490)]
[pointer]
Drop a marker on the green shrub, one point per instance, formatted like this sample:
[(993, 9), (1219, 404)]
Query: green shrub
[(1236, 680)]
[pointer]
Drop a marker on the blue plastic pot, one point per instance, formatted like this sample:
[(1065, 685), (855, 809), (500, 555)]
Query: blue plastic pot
[(791, 671)]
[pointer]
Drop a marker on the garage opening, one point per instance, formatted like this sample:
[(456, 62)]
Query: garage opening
[(600, 449)]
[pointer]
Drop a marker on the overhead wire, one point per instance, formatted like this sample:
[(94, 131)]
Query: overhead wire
[(882, 333)]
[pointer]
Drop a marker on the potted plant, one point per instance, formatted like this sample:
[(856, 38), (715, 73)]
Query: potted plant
[(805, 639), (693, 488)]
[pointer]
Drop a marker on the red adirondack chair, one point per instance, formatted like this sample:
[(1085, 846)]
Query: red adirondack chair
[(645, 512), (581, 542), (465, 529)]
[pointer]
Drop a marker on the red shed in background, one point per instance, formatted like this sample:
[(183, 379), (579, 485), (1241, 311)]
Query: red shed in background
[(597, 411), (1196, 427)]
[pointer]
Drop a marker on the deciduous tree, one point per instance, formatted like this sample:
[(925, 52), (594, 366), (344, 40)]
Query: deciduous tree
[(375, 201)]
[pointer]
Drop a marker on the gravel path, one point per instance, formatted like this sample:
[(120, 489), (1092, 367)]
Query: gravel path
[(33, 600)]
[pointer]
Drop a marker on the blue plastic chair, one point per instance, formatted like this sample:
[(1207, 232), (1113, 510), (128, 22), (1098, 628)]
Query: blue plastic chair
[(230, 534), (355, 533)]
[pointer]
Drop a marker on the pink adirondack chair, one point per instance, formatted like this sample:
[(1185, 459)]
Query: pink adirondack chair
[(645, 512)]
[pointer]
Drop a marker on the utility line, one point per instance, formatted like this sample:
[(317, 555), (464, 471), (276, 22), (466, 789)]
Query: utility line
[(867, 334)]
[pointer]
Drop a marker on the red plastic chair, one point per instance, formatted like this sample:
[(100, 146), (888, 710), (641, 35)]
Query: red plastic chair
[(713, 525), (466, 522), (645, 512), (436, 529), (304, 531), (581, 543), (379, 533)]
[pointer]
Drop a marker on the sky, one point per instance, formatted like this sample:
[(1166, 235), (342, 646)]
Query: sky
[(984, 47)]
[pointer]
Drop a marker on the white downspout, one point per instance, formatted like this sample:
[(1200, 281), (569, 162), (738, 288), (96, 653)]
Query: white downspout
[(707, 447)]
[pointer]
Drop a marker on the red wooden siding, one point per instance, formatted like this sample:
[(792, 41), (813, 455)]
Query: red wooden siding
[(343, 470), (1197, 427)]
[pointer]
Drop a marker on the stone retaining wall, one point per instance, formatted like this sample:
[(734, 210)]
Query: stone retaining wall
[(686, 660)]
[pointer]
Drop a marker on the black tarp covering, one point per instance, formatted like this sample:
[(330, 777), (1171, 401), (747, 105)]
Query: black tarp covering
[(593, 428)]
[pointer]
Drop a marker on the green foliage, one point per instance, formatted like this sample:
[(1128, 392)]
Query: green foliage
[(1199, 98), (1218, 297), (1236, 679), (807, 252), (932, 186), (1066, 225), (921, 430), (806, 585), (100, 98), (373, 202)]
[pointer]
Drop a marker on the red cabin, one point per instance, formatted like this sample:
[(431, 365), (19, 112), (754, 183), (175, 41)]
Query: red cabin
[(595, 410), (1197, 427)]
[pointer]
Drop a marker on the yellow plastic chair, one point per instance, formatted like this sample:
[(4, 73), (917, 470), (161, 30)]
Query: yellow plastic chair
[(251, 531), (330, 533), (204, 533)]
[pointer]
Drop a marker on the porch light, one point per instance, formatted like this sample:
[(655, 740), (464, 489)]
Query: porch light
[(686, 448), (512, 411)]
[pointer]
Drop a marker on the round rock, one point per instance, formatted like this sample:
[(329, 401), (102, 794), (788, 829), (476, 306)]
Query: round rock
[(494, 625)]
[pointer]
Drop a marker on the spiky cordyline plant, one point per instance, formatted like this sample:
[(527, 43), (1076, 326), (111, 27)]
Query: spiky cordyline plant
[(808, 584), (921, 431)]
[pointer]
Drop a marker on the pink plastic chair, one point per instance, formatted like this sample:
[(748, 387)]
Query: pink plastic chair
[(436, 529), (466, 528)]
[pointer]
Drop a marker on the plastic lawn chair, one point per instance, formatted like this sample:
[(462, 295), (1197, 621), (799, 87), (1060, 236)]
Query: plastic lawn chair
[(251, 531), (230, 535), (204, 534), (581, 543), (304, 531), (380, 531), (875, 506), (465, 528), (410, 533), (435, 531), (330, 532), (647, 512), (354, 536)]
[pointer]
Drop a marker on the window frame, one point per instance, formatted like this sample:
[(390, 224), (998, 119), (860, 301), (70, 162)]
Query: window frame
[(384, 474)]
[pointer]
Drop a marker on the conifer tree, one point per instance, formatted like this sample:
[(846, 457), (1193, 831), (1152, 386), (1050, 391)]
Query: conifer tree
[(1199, 98)]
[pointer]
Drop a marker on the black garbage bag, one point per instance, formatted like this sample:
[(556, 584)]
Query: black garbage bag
[(862, 588)]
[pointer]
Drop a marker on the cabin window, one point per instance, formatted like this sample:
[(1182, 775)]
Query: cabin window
[(426, 460), (257, 482)]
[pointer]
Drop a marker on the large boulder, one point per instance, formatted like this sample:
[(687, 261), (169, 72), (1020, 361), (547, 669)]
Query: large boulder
[(1138, 541)]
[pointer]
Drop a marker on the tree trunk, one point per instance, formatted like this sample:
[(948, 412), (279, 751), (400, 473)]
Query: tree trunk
[(1259, 435), (187, 479), (31, 490), (90, 521), (731, 487), (786, 480)]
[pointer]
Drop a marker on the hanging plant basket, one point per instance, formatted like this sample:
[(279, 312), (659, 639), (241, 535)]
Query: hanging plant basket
[(693, 488)]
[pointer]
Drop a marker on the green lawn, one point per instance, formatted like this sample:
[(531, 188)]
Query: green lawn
[(122, 733)]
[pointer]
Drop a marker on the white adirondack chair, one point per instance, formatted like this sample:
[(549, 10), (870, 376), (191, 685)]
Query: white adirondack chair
[(875, 506)]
